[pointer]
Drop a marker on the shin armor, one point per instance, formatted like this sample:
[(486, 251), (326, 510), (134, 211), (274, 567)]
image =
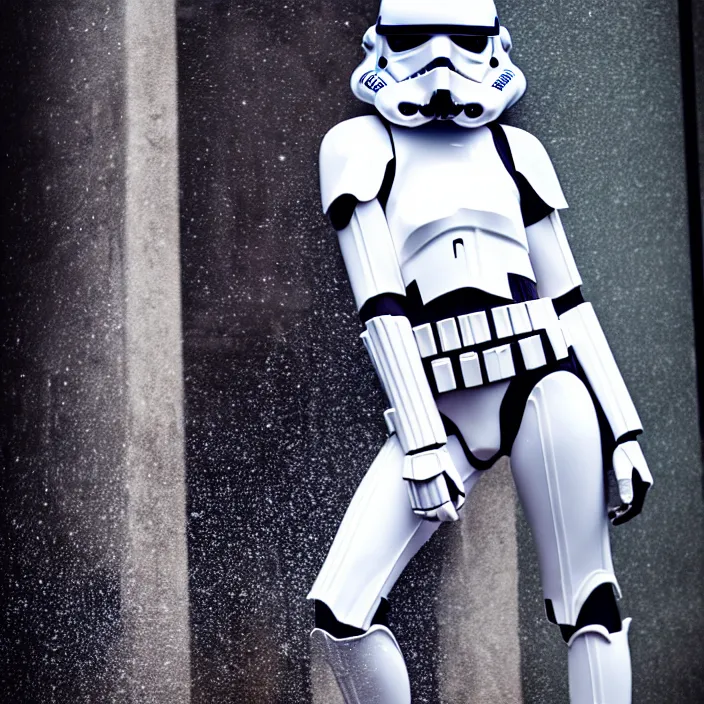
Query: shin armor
[(369, 669), (600, 666)]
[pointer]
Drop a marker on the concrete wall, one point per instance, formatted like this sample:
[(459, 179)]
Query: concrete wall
[(92, 537), (696, 90), (283, 413), (283, 410)]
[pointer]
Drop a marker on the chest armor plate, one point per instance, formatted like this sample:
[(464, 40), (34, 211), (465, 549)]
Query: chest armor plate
[(454, 212)]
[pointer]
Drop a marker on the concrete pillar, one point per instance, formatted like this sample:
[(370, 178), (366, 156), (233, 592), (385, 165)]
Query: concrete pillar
[(155, 572), (477, 608), (93, 572)]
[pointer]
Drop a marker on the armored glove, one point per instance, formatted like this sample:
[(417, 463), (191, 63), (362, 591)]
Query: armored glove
[(434, 485), (633, 479)]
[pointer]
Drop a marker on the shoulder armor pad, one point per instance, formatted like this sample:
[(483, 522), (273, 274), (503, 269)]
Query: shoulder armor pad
[(353, 160), (533, 162)]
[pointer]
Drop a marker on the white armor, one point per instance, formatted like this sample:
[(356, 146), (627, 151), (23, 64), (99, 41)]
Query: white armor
[(369, 669), (464, 278), (462, 72), (469, 214)]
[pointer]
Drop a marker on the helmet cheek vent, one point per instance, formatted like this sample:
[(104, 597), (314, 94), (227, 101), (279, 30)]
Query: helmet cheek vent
[(408, 109), (473, 110)]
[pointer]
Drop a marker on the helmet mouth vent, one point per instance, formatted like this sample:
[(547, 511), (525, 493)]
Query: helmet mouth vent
[(441, 107)]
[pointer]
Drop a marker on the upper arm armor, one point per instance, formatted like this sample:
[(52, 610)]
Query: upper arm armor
[(555, 271), (353, 160), (532, 161), (369, 255)]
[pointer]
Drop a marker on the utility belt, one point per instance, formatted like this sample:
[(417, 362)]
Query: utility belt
[(481, 348)]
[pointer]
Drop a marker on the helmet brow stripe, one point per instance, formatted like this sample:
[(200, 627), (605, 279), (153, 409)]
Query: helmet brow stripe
[(461, 29)]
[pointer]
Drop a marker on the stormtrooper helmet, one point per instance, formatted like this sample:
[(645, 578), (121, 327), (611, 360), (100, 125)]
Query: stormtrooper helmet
[(431, 60)]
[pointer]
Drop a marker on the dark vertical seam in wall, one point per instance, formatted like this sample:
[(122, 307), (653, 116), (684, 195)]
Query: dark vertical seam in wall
[(691, 137)]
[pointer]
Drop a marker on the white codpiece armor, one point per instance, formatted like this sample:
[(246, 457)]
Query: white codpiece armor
[(449, 228)]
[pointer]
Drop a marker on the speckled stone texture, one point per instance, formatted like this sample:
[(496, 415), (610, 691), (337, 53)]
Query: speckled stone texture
[(477, 609), (698, 87), (283, 410), (154, 579), (62, 204), (93, 573)]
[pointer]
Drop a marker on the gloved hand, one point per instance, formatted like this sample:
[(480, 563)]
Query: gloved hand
[(435, 487), (634, 480)]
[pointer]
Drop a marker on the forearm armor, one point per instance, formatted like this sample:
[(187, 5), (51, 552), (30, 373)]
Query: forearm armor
[(559, 279), (594, 355), (414, 415)]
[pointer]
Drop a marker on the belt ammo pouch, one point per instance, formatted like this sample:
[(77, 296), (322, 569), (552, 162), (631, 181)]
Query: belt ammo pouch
[(471, 350)]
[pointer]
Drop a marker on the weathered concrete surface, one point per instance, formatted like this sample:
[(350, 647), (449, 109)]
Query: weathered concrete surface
[(283, 412), (694, 103), (610, 114), (155, 574), (477, 608), (698, 87), (88, 519), (62, 352)]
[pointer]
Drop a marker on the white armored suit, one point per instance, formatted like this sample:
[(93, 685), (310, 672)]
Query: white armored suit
[(449, 228)]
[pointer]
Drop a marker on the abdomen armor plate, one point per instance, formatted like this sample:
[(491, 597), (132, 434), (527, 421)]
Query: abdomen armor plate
[(454, 213)]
